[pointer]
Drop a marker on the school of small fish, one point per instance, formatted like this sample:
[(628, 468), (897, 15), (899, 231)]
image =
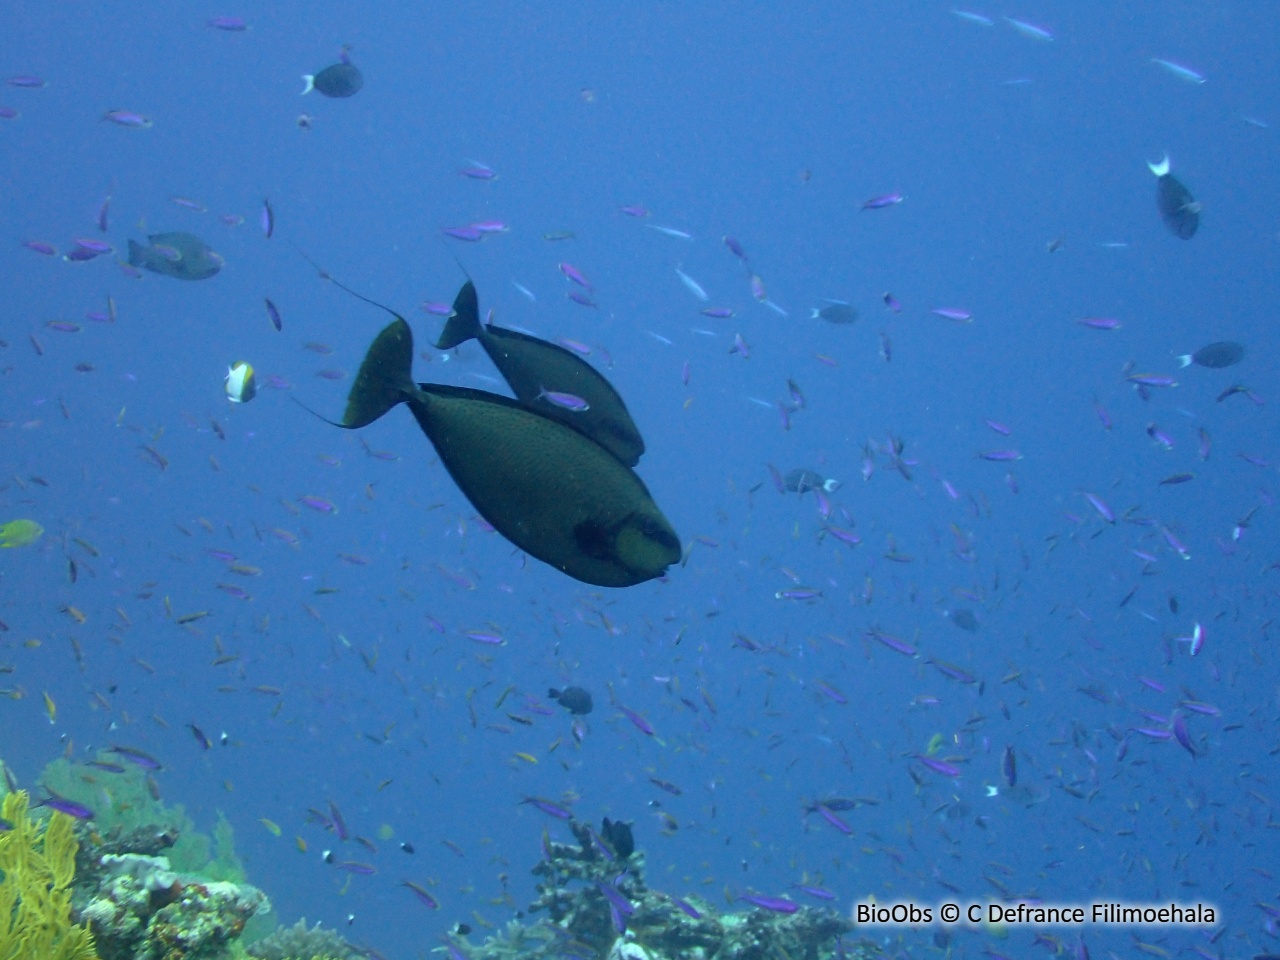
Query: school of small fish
[(963, 591)]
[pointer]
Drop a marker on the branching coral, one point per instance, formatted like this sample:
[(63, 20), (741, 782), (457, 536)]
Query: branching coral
[(38, 862)]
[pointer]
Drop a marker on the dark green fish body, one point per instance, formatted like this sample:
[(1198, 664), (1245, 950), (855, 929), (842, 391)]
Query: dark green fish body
[(533, 368), (836, 311), (550, 490), (1178, 208), (339, 81), (1215, 356), (574, 699), (182, 256)]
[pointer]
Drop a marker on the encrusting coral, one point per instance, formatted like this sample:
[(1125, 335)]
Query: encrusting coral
[(38, 863)]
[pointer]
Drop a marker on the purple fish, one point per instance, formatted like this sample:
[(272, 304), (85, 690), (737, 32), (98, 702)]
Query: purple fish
[(1009, 766), (549, 807), (565, 401), (267, 219), (580, 298), (26, 80), (490, 226), (339, 825), (634, 210), (939, 766), (892, 642), (639, 722), (687, 908), (882, 201), (616, 898), (96, 247), (40, 247), (468, 234), (69, 807), (9, 113), (1152, 380), (772, 904), (436, 308), (136, 757), (230, 24), (576, 275), (274, 314), (478, 171), (127, 118), (1101, 507), (818, 893), (356, 867), (718, 313), (953, 313), (1000, 456), (736, 249), (1099, 323), (425, 898), (1183, 735), (892, 302), (103, 211)]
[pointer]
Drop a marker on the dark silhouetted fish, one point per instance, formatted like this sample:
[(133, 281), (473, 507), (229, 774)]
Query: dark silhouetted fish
[(801, 480), (550, 490), (340, 80), (964, 619), (617, 834), (574, 699), (536, 369), (1178, 209), (1224, 353), (836, 311), (183, 256)]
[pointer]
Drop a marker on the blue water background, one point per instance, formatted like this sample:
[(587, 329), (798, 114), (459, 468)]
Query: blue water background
[(770, 123)]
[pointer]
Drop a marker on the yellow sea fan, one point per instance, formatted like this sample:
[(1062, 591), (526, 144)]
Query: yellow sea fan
[(38, 864)]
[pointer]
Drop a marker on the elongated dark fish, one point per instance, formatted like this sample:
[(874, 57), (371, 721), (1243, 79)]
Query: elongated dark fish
[(1223, 353), (1179, 210), (550, 490), (537, 370)]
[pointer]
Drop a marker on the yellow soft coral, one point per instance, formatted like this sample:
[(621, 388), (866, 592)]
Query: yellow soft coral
[(38, 864)]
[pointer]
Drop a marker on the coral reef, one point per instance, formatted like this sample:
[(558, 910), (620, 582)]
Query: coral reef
[(599, 908), (130, 816), (302, 943), (38, 862), (141, 909)]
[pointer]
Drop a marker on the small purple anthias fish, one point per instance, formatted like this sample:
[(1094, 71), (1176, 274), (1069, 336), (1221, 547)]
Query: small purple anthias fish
[(26, 81), (565, 401), (736, 249), (69, 807), (1152, 380), (576, 275), (772, 904), (892, 302), (884, 200), (469, 234), (268, 219), (136, 757), (230, 24), (939, 766), (127, 118), (953, 313)]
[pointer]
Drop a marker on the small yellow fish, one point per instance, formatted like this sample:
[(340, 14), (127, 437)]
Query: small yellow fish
[(271, 826), (50, 708), (192, 617), (20, 533), (300, 844), (75, 614), (526, 757)]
